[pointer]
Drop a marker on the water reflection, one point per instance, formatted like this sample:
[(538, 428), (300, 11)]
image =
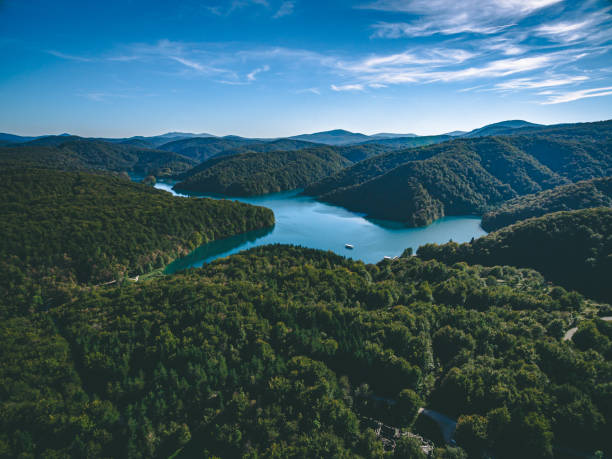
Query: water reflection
[(302, 220), (215, 249)]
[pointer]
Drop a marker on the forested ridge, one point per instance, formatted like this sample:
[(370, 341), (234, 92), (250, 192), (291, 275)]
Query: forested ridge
[(75, 153), (281, 351), (67, 227), (571, 248), (574, 196), (471, 175), (256, 173)]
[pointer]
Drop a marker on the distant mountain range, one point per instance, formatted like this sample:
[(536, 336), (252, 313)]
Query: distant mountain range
[(450, 174), (336, 137)]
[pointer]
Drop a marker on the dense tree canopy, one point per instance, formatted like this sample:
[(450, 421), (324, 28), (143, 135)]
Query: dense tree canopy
[(580, 195), (258, 173), (281, 351), (75, 153), (284, 351), (573, 249), (465, 176), (86, 228)]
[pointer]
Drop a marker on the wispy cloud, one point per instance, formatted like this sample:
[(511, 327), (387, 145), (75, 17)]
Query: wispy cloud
[(253, 75), (188, 63), (285, 9), (570, 96), (226, 8), (401, 69), (593, 27), (423, 29), (347, 87), (449, 17), (70, 57), (309, 90), (529, 83)]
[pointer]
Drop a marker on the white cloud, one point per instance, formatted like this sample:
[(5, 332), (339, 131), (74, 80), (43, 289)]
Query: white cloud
[(285, 9), (70, 57), (450, 17), (560, 98), (188, 63), (348, 87), (593, 27), (252, 76), (424, 29), (309, 90), (528, 83), (377, 70)]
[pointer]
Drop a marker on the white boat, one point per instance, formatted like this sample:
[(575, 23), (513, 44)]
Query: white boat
[(349, 246), (386, 258)]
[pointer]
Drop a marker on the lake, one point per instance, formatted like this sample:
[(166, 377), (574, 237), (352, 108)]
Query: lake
[(300, 220)]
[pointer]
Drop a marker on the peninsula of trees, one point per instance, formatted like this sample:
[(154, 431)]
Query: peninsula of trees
[(256, 173)]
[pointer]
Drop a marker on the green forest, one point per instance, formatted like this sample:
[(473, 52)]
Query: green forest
[(469, 175), (76, 227), (75, 153), (257, 173), (283, 352), (572, 248), (574, 196)]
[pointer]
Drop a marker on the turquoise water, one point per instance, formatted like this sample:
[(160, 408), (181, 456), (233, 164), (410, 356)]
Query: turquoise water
[(301, 220)]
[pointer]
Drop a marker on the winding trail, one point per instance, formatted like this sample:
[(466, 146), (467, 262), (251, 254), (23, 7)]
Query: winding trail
[(572, 331)]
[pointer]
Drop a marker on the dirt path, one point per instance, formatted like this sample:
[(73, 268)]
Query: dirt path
[(570, 333)]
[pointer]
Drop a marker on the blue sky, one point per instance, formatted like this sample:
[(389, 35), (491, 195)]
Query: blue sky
[(281, 67)]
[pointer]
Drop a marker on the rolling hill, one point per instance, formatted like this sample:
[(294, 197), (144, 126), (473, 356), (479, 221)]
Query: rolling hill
[(334, 137), (572, 249), (66, 227), (256, 173), (408, 142), (574, 196), (501, 128), (469, 175), (75, 153)]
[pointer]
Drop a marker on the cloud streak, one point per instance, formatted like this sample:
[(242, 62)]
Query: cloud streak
[(564, 97), (347, 87), (285, 9), (253, 75), (450, 17)]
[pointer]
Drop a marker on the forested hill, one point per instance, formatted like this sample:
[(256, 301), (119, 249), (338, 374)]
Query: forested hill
[(260, 146), (257, 173), (74, 153), (284, 352), (86, 228), (418, 185), (573, 249), (580, 195)]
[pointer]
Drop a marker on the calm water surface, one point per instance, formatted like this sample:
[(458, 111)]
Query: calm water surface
[(301, 220)]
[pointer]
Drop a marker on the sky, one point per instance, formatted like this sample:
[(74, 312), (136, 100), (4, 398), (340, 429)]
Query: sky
[(271, 68)]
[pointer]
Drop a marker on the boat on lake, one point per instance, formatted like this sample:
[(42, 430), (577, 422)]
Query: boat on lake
[(349, 246)]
